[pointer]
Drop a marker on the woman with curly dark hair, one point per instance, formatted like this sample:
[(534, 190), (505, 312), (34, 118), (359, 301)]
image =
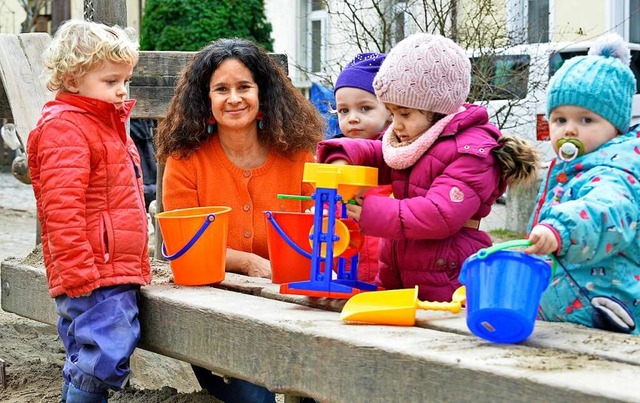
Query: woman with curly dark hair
[(237, 133)]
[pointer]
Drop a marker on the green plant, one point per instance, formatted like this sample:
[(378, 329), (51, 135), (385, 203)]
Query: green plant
[(501, 235), (183, 25)]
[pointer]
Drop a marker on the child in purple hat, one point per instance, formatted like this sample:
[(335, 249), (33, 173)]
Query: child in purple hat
[(362, 116)]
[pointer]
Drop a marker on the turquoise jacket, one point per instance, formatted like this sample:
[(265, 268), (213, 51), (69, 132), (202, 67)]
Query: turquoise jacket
[(596, 216)]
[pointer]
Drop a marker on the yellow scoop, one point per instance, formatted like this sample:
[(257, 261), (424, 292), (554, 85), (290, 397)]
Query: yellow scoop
[(395, 307)]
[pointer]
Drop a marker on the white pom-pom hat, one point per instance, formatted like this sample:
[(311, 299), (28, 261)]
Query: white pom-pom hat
[(601, 82)]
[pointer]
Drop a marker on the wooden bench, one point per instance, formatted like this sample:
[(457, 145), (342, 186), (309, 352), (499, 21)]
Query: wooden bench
[(298, 345)]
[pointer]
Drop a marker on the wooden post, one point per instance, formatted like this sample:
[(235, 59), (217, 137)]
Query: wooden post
[(112, 12)]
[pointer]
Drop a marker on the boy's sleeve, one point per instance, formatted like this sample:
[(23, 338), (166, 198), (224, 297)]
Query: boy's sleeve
[(600, 220), (65, 164)]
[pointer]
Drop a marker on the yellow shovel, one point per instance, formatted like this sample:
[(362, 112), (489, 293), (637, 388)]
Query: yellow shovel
[(395, 307)]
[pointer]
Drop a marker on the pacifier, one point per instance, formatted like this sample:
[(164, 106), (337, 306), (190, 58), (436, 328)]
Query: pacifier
[(570, 149)]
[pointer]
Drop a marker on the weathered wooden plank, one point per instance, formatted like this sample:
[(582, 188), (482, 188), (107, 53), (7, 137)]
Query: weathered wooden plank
[(153, 82), (20, 71), (155, 78), (112, 12), (560, 336), (292, 348)]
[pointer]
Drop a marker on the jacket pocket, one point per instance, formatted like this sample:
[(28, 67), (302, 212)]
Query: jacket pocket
[(106, 237)]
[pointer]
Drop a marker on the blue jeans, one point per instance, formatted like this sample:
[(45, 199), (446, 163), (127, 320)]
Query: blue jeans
[(236, 391), (99, 333)]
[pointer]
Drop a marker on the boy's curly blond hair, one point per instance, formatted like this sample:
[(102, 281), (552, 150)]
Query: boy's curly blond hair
[(78, 47)]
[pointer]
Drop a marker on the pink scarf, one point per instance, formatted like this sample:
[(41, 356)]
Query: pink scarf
[(403, 155)]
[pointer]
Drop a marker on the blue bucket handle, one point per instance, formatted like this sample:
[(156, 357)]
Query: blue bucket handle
[(516, 243), (210, 218), (286, 237)]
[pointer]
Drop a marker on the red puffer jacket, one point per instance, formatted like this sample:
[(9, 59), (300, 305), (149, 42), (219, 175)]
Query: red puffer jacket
[(86, 177)]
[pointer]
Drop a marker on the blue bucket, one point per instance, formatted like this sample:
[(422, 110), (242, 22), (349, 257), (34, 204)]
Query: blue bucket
[(503, 291)]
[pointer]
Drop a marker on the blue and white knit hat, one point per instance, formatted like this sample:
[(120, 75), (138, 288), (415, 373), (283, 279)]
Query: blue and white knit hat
[(601, 82)]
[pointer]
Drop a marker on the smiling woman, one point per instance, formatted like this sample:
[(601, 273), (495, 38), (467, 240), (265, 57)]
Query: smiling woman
[(237, 133)]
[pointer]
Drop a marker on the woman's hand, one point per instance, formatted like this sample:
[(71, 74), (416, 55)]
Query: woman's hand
[(543, 241), (257, 266), (247, 263)]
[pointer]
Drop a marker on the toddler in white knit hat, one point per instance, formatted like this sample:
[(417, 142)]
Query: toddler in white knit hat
[(446, 163)]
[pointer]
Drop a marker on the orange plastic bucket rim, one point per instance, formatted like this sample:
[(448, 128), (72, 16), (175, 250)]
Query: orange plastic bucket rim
[(195, 240)]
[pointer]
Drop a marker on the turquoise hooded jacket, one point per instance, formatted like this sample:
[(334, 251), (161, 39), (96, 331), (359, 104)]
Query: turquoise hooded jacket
[(593, 205)]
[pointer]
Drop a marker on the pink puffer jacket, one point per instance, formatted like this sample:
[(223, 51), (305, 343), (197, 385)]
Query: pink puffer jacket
[(425, 226)]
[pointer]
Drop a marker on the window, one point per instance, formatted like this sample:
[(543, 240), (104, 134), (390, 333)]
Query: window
[(399, 23), (316, 43), (516, 24), (538, 24), (557, 59), (634, 21), (495, 77), (624, 19)]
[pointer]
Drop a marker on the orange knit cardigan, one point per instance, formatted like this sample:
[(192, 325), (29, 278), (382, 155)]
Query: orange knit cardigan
[(208, 178)]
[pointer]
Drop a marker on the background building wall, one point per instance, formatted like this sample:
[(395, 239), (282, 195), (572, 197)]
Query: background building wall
[(576, 20), (11, 16)]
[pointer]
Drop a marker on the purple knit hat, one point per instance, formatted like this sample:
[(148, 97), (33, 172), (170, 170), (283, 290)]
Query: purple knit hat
[(360, 71), (426, 72)]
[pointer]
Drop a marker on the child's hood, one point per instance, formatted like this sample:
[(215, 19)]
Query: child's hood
[(472, 116)]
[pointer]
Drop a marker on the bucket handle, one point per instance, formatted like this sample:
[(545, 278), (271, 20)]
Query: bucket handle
[(516, 243), (207, 221), (286, 237)]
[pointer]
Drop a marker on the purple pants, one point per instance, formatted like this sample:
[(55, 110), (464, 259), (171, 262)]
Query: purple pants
[(99, 333)]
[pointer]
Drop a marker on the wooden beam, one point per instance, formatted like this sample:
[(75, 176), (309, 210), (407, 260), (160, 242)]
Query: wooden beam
[(292, 348), (22, 84), (153, 82), (112, 12)]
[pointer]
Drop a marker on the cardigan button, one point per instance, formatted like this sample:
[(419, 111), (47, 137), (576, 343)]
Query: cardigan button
[(440, 262), (246, 174), (246, 207), (247, 234)]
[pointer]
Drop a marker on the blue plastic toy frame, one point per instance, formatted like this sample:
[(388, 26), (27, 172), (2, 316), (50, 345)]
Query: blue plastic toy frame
[(322, 283)]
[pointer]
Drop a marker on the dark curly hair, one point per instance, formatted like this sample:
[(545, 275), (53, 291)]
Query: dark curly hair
[(291, 122)]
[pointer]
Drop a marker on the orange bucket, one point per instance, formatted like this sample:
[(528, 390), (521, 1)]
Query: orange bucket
[(287, 265), (195, 243)]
